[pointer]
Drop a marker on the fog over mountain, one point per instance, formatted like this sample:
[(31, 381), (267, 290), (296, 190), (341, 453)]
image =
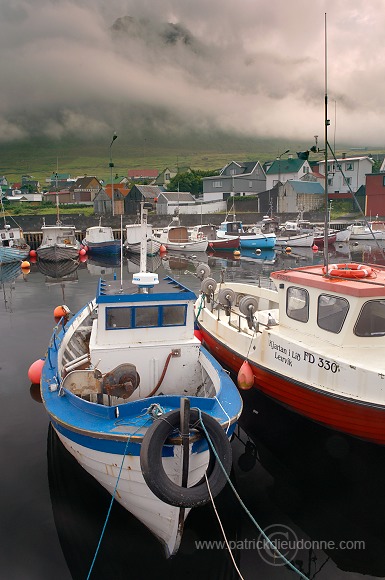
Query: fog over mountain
[(254, 68)]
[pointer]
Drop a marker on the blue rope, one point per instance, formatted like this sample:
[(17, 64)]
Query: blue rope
[(113, 497), (244, 506), (109, 509)]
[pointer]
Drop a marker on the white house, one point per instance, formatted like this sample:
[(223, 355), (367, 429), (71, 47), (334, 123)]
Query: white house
[(235, 178), (347, 174)]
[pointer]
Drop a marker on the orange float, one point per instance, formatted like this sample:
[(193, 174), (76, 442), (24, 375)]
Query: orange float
[(245, 378)]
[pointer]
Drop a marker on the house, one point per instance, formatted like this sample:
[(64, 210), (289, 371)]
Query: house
[(296, 195), (164, 177), (281, 170), (103, 203), (375, 194), (138, 194), (29, 184), (85, 189), (235, 178), (182, 201), (346, 174), (120, 192), (65, 196), (142, 174)]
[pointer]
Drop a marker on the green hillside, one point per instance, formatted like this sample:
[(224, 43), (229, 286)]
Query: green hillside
[(40, 157)]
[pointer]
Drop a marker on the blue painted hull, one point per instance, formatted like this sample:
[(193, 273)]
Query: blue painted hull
[(262, 243), (102, 248)]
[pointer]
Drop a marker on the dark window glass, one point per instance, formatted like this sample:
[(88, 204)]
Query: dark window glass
[(118, 318), (332, 311), (297, 304), (371, 320)]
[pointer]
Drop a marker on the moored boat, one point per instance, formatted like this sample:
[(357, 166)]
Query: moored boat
[(100, 240), (116, 379), (253, 237), (314, 342), (59, 243), (13, 247), (133, 240), (176, 238), (209, 232)]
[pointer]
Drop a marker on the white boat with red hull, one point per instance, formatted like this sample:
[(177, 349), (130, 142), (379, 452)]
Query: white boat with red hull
[(314, 343)]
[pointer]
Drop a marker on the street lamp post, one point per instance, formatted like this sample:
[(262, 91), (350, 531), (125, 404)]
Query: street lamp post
[(279, 172), (114, 137)]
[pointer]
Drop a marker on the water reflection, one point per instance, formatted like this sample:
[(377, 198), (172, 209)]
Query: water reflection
[(325, 486), (103, 265)]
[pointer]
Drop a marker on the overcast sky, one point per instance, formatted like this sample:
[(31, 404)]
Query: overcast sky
[(255, 67)]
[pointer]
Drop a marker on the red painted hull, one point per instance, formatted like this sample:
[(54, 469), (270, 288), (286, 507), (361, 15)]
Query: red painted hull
[(351, 417), (222, 245)]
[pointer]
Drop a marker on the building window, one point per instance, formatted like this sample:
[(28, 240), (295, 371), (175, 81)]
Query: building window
[(217, 183), (233, 172), (330, 181), (332, 311), (331, 168), (250, 184), (348, 166), (383, 181), (305, 169), (348, 180)]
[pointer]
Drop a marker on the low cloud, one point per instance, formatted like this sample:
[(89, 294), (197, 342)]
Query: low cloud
[(176, 66)]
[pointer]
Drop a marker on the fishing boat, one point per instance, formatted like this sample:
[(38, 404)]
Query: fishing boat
[(209, 232), (366, 231), (13, 247), (59, 243), (313, 342), (100, 240), (253, 237), (176, 238), (132, 395), (133, 240)]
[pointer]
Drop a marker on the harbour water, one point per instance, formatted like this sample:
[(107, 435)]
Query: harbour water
[(320, 491)]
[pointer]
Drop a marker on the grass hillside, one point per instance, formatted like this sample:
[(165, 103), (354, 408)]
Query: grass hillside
[(40, 157)]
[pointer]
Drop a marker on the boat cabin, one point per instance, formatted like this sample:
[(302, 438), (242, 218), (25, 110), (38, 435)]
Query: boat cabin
[(345, 312), (58, 235), (144, 328), (10, 236), (97, 234), (134, 233), (231, 228)]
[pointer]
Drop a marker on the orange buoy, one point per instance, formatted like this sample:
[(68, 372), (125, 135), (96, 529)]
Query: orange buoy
[(198, 334), (314, 248), (236, 253), (245, 378), (162, 249), (33, 253), (25, 265), (35, 370), (288, 250), (61, 311), (82, 252)]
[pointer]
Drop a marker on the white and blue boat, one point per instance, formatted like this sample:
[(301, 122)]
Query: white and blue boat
[(132, 395), (253, 238), (100, 241), (13, 247)]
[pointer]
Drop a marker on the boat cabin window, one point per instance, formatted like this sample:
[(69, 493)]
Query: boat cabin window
[(331, 312), (297, 304), (371, 320), (145, 316)]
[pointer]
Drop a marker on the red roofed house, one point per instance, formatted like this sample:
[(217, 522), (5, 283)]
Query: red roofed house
[(142, 174)]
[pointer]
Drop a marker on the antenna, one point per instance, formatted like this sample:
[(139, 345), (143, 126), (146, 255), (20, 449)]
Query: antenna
[(327, 123)]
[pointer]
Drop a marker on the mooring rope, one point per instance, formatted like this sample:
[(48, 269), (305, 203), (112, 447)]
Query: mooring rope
[(222, 528), (266, 537), (112, 499)]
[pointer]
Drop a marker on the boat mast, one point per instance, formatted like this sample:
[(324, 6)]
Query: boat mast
[(327, 123), (143, 243)]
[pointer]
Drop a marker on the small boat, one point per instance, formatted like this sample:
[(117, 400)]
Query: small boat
[(131, 393), (305, 240), (133, 240), (13, 247), (253, 237), (209, 232), (176, 238), (100, 240), (370, 231), (59, 243)]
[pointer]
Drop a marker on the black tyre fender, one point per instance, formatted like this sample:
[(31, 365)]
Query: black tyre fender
[(152, 465)]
